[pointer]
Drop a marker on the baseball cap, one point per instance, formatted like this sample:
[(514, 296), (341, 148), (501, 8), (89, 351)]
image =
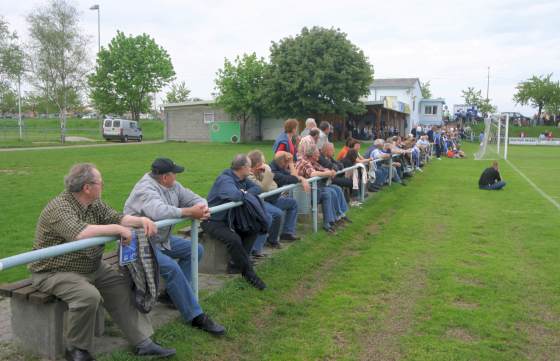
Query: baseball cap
[(166, 165)]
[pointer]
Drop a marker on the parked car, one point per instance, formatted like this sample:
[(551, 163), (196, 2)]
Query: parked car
[(121, 129)]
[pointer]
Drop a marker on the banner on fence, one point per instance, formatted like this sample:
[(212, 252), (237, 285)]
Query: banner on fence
[(534, 141)]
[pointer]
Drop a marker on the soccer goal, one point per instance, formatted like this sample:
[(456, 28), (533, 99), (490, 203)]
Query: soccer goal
[(494, 141)]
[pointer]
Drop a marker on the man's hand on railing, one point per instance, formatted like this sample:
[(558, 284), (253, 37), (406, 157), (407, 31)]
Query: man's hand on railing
[(150, 228), (304, 184), (126, 235), (198, 211)]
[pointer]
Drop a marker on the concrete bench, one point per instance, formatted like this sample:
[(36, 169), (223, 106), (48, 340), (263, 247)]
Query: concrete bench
[(39, 319)]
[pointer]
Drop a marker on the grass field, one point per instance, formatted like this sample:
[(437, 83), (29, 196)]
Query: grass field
[(45, 132), (438, 270)]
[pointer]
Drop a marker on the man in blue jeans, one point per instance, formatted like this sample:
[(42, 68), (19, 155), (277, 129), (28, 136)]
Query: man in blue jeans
[(491, 179), (276, 206), (159, 196)]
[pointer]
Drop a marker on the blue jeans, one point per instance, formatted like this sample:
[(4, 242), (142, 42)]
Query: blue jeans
[(275, 210), (339, 202), (325, 196), (177, 275), (494, 187)]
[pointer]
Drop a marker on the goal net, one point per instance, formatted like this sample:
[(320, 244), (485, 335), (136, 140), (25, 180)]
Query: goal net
[(493, 141)]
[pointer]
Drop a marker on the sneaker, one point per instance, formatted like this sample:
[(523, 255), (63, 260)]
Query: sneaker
[(355, 204), (155, 350), (77, 354), (205, 323), (254, 280)]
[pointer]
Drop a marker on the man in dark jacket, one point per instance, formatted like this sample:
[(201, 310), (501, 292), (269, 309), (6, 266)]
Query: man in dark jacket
[(233, 186), (490, 179), (285, 172)]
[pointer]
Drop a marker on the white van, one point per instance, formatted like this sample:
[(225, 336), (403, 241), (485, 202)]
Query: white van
[(121, 129)]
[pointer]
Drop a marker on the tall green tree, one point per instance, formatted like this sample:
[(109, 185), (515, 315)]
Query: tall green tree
[(239, 88), (127, 72), (178, 93), (425, 89), (8, 99), (59, 57), (538, 91), (319, 71)]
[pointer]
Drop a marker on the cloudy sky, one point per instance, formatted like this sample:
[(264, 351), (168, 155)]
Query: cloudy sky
[(449, 43)]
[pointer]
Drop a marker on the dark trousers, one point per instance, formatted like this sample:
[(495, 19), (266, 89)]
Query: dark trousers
[(239, 245), (439, 148)]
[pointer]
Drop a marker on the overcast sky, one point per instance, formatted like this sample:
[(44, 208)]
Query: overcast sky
[(449, 43)]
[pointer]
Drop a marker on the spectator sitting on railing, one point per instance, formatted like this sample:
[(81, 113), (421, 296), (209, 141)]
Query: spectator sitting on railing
[(159, 196), (331, 196), (232, 186), (275, 205), (285, 172), (311, 139), (388, 150), (326, 160), (347, 145), (400, 161), (81, 278), (287, 141), (324, 131), (309, 124), (379, 158)]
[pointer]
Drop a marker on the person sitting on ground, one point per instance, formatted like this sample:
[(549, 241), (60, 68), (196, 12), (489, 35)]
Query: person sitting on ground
[(490, 179), (324, 131), (233, 186), (81, 278), (309, 124), (331, 196), (287, 140), (285, 172), (276, 206), (159, 196), (311, 139)]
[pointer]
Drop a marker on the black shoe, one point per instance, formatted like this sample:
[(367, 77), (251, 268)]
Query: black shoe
[(205, 323), (346, 219), (329, 230), (289, 237), (254, 280), (76, 354), (275, 245), (258, 254), (154, 350)]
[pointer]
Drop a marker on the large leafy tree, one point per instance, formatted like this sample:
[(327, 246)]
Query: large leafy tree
[(178, 93), (239, 88), (318, 71), (538, 91), (425, 89), (59, 59), (127, 72)]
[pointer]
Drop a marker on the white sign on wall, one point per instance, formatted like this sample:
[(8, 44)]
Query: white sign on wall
[(534, 141)]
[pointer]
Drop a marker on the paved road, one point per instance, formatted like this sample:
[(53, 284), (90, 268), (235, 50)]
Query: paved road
[(82, 146)]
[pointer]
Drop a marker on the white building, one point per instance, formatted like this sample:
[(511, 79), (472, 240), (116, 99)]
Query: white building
[(406, 90)]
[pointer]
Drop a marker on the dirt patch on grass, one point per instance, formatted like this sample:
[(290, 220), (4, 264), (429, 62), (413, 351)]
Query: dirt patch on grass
[(14, 172), (460, 334), (465, 305), (470, 282), (381, 344)]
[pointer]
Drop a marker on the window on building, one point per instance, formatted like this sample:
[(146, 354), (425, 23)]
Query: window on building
[(208, 118), (430, 109)]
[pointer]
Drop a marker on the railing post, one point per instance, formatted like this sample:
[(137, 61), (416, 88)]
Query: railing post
[(194, 257), (314, 205), (390, 170), (362, 184)]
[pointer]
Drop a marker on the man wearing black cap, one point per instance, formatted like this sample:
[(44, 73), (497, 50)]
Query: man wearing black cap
[(159, 196)]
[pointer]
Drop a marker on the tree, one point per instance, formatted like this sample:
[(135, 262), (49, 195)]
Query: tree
[(474, 98), (178, 93), (127, 72), (539, 91), (239, 88), (317, 72), (8, 99), (425, 89), (59, 59)]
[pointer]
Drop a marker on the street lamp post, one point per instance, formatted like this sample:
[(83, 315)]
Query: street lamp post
[(96, 7)]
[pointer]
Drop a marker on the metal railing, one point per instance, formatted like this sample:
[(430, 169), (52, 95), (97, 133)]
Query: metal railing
[(53, 251)]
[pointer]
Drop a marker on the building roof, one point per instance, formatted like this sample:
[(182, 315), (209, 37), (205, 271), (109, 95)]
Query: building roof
[(435, 100), (188, 104), (395, 83)]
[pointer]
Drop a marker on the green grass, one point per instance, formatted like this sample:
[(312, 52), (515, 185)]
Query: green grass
[(438, 270), (45, 132)]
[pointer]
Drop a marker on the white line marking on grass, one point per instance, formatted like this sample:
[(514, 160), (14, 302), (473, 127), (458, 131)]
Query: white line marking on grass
[(542, 193)]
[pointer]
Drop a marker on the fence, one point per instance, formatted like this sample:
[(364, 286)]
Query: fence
[(36, 255)]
